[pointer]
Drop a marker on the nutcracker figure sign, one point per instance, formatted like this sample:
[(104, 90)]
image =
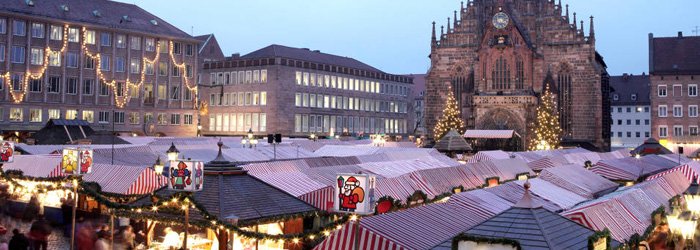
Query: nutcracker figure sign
[(76, 161), (355, 193), (7, 151), (186, 175)]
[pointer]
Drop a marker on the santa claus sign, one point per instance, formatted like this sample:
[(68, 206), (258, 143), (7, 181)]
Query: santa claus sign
[(355, 193), (186, 176), (76, 161), (7, 151)]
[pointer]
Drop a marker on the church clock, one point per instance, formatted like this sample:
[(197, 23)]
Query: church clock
[(500, 20)]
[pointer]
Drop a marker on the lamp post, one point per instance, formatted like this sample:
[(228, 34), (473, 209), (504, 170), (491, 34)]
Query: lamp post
[(172, 152), (158, 168), (312, 137), (250, 141)]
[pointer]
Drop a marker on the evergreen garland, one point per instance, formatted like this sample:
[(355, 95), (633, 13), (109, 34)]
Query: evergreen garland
[(597, 236)]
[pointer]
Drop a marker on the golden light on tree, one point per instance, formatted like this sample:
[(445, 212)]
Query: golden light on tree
[(451, 118), (546, 132)]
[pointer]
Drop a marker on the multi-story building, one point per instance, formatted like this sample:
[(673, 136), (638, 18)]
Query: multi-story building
[(497, 56), (631, 110), (112, 64), (418, 98), (298, 92), (675, 75)]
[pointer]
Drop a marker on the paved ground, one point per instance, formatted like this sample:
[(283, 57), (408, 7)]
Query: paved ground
[(56, 239)]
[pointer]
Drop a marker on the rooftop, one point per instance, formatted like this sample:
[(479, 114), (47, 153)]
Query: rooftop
[(674, 55), (108, 14), (308, 55), (625, 85)]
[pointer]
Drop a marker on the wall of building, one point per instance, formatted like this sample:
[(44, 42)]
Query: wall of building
[(674, 104), (631, 125)]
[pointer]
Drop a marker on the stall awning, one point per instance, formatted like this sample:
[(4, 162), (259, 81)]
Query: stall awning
[(491, 134), (36, 165), (126, 180)]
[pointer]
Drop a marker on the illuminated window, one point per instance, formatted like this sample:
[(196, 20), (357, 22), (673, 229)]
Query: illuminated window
[(54, 114), (36, 56), (135, 43), (56, 33), (55, 58), (38, 30), (134, 118), (150, 44), (71, 114), (35, 115), (16, 115), (73, 35), (90, 36)]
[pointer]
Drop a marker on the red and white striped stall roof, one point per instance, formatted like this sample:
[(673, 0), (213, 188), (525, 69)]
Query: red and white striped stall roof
[(513, 192), (344, 239), (578, 180), (489, 156), (127, 180), (580, 159), (490, 134), (553, 193), (294, 183), (547, 162), (36, 165)]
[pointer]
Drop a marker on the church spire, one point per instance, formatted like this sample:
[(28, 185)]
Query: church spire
[(575, 28), (455, 21), (582, 28), (442, 32), (591, 31), (448, 25), (462, 8), (433, 40), (567, 12)]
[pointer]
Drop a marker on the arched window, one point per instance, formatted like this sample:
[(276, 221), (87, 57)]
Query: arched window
[(500, 75), (519, 73), (564, 101), (461, 85)]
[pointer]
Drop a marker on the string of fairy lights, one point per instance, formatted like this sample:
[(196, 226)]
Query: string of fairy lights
[(451, 117), (121, 93), (547, 132)]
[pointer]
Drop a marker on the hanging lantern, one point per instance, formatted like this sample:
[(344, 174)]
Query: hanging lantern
[(172, 152), (158, 167), (7, 151), (186, 175)]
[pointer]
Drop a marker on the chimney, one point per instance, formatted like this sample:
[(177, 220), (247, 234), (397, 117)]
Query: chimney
[(236, 55), (680, 34)]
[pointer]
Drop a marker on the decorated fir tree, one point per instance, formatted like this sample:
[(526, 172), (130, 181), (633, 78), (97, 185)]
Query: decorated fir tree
[(546, 132), (451, 118)]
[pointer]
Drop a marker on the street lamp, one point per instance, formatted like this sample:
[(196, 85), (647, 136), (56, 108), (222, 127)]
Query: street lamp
[(172, 152), (158, 167), (692, 197), (312, 137), (250, 134)]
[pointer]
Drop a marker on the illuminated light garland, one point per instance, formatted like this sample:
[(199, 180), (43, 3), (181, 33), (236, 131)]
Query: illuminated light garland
[(547, 131), (120, 101), (451, 118)]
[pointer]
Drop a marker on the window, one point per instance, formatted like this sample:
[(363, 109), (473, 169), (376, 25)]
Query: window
[(188, 70), (646, 134), (119, 64), (134, 118), (662, 91), (54, 114), (693, 111), (188, 94), (637, 122), (175, 119), (629, 110), (629, 122), (135, 43), (633, 97), (89, 63), (298, 78), (263, 76), (3, 29), (163, 46), (105, 39), (161, 92), (119, 117), (637, 134), (176, 71), (616, 97), (619, 110), (56, 33), (38, 30), (175, 93), (629, 134), (677, 90), (121, 41), (177, 48), (36, 56), (150, 44), (54, 84), (692, 90), (646, 109), (693, 130), (663, 111), (147, 117), (677, 130), (248, 98), (677, 111), (16, 115), (188, 119), (71, 114), (72, 87), (619, 134), (162, 119), (163, 68), (256, 98), (135, 66), (2, 52), (19, 28), (72, 60), (104, 89), (35, 115), (148, 66), (189, 50), (35, 85), (89, 116), (119, 89), (17, 55), (55, 58), (663, 131), (104, 63), (73, 35), (90, 37), (646, 122), (263, 98)]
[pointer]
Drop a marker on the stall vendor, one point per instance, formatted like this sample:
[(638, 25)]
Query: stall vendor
[(171, 240)]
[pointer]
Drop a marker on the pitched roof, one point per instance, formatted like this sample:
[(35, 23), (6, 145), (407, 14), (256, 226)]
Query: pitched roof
[(452, 141), (308, 55), (674, 55), (111, 15), (61, 131), (625, 85)]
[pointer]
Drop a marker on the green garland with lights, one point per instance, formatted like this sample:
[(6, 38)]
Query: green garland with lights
[(605, 234)]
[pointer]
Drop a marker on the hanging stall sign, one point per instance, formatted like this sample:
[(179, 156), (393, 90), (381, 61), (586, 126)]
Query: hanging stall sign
[(7, 151), (354, 193), (76, 161), (186, 175)]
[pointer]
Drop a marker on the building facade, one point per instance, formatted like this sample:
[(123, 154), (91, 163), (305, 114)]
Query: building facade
[(496, 55), (631, 110), (112, 64), (299, 92), (675, 77), (418, 98)]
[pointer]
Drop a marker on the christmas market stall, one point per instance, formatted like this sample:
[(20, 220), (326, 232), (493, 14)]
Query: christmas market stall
[(628, 170), (218, 205), (578, 180)]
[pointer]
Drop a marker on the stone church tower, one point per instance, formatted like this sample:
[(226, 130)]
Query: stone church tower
[(498, 54)]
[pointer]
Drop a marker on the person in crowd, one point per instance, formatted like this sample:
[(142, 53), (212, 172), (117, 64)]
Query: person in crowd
[(3, 244), (85, 235), (4, 197), (660, 237), (18, 241), (128, 237), (103, 241), (39, 234), (32, 209)]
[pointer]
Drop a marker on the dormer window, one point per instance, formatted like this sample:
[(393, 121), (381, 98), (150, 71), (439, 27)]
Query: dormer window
[(64, 7), (633, 97), (29, 3), (126, 18), (616, 97), (96, 13), (154, 22)]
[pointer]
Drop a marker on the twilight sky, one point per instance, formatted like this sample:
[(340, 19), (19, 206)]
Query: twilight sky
[(394, 36)]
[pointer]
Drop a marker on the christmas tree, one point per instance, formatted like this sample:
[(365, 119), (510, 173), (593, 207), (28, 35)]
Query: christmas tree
[(547, 132), (451, 118)]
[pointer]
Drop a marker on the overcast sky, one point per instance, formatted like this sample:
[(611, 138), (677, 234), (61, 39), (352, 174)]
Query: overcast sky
[(394, 35)]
